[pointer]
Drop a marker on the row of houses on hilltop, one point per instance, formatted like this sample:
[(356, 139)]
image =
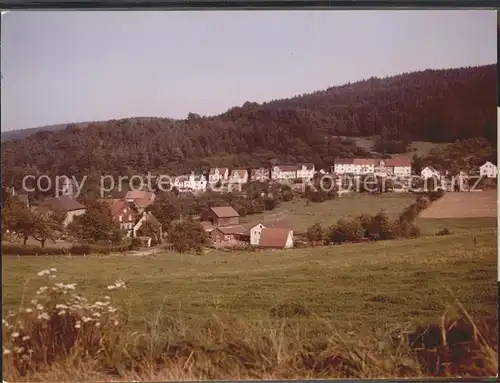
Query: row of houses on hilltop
[(200, 181)]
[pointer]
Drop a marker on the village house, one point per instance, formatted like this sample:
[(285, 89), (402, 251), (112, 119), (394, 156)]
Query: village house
[(181, 182), (260, 174), (133, 195), (305, 171), (356, 166), (66, 205), (218, 174), (284, 172), (398, 167), (149, 219), (221, 216), (122, 213), (255, 231), (276, 238), (196, 182), (488, 170), (238, 176), (430, 172), (229, 235)]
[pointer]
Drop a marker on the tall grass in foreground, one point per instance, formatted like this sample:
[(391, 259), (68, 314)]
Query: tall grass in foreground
[(62, 335)]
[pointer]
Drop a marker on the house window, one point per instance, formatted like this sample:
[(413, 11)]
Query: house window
[(119, 218), (130, 217)]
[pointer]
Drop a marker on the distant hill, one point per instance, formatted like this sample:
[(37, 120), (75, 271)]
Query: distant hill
[(431, 105)]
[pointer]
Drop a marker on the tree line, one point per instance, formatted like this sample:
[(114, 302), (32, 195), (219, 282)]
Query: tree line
[(433, 105)]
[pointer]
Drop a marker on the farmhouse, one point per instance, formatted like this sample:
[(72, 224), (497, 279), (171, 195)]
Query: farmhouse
[(229, 235), (238, 176), (122, 213), (66, 205), (276, 238), (141, 204), (221, 216), (284, 172), (260, 174), (255, 231), (488, 170), (154, 226), (218, 174), (429, 172)]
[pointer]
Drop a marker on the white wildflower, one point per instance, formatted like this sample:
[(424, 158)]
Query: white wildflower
[(25, 357), (39, 307), (53, 269), (19, 350), (86, 319), (4, 322), (6, 351), (14, 334), (116, 323), (111, 287), (70, 286), (107, 297), (52, 276), (43, 272), (62, 312), (44, 316), (78, 325), (60, 285), (34, 301), (26, 337), (28, 310), (61, 306), (111, 310), (97, 315), (97, 324)]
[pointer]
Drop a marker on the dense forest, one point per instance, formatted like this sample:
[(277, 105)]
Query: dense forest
[(432, 105)]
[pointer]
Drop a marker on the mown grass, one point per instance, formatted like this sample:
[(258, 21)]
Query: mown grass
[(301, 214), (339, 311), (276, 314)]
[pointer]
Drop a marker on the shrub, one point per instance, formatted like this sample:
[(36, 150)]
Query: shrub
[(444, 231), (347, 229), (59, 323)]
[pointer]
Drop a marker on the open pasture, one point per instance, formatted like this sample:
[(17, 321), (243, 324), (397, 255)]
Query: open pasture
[(480, 204), (300, 214)]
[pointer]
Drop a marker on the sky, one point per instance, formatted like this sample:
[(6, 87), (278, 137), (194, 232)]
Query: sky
[(74, 66)]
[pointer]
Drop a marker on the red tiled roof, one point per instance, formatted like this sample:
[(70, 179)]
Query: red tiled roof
[(142, 203), (221, 170), (398, 161), (238, 172), (224, 211), (273, 237), (139, 195), (62, 203)]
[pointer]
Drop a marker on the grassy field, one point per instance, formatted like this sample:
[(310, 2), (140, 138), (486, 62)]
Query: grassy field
[(266, 314), (300, 214)]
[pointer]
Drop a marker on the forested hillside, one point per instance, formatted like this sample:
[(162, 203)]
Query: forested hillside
[(433, 105)]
